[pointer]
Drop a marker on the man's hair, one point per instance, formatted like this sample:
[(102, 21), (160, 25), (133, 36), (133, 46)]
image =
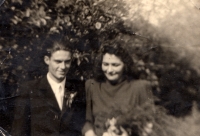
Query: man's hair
[(117, 49), (56, 42)]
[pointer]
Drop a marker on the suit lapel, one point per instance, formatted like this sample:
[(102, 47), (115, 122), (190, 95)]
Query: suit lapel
[(69, 88), (64, 107), (47, 94)]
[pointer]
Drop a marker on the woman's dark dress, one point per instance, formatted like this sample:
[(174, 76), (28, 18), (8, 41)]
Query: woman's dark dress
[(102, 97)]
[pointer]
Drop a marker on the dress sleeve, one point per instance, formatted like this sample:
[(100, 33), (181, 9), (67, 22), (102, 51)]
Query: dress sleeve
[(145, 95), (89, 116), (21, 122)]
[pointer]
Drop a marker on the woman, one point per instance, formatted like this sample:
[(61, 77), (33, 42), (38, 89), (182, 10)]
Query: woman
[(113, 87)]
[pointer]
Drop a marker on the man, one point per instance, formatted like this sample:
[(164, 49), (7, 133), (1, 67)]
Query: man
[(53, 105)]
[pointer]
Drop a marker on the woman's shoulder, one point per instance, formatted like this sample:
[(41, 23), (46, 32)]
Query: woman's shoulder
[(142, 90), (91, 82), (140, 82), (140, 85)]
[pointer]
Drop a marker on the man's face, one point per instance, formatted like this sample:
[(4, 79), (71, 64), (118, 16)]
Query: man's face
[(59, 64)]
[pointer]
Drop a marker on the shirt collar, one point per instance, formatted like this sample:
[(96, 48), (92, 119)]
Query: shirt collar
[(54, 85)]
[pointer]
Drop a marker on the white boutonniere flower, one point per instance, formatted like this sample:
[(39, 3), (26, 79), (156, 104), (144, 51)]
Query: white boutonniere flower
[(70, 99)]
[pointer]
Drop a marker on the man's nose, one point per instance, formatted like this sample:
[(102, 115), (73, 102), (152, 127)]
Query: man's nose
[(63, 65)]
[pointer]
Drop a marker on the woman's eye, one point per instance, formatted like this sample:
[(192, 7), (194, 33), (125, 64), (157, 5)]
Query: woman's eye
[(105, 64), (116, 65)]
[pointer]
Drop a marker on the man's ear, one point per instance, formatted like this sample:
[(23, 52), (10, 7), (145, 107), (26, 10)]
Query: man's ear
[(46, 60)]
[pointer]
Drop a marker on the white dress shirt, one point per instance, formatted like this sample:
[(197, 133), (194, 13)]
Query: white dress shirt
[(58, 92)]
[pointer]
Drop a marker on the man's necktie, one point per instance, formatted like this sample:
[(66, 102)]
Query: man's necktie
[(60, 101)]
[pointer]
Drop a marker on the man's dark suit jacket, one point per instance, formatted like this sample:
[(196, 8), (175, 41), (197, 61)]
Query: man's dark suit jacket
[(37, 112)]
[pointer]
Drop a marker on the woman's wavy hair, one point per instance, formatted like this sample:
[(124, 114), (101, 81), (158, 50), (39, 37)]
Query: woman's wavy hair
[(119, 50)]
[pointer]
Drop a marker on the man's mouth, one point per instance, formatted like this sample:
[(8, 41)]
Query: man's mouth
[(61, 72)]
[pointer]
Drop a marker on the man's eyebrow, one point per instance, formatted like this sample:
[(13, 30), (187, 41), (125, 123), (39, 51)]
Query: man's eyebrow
[(58, 60), (62, 60), (68, 60)]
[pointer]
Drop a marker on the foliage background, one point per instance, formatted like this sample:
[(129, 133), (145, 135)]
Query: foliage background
[(162, 36)]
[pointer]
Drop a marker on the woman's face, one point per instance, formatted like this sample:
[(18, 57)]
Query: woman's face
[(113, 67)]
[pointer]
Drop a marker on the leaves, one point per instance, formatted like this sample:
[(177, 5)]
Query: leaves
[(17, 1), (29, 22)]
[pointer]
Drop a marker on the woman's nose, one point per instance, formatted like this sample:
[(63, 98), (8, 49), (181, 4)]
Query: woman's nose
[(110, 69)]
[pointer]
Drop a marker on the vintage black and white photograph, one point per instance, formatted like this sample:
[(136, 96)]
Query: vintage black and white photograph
[(99, 68)]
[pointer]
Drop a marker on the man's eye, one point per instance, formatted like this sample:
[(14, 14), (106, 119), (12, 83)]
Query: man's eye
[(67, 62), (58, 61)]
